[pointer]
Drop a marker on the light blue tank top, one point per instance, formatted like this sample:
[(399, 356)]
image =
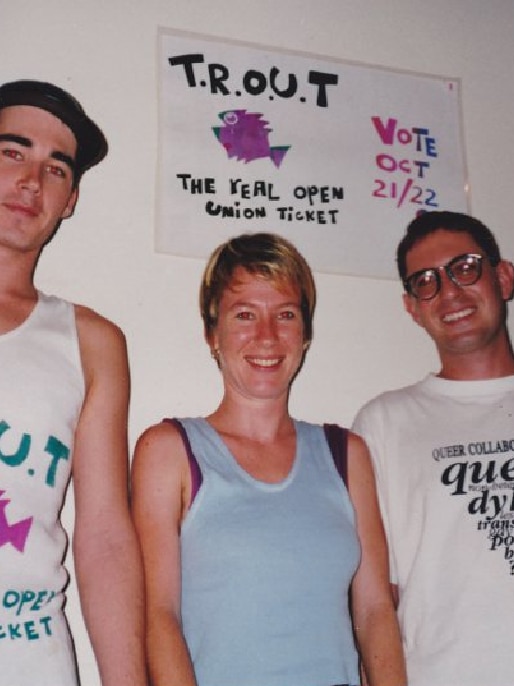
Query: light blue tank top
[(266, 569)]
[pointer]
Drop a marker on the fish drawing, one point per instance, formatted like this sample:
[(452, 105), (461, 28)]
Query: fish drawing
[(245, 135), (16, 534)]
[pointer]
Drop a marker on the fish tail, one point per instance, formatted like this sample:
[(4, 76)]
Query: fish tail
[(278, 153)]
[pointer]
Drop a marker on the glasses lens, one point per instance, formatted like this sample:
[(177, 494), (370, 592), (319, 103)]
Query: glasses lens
[(466, 270), (423, 285)]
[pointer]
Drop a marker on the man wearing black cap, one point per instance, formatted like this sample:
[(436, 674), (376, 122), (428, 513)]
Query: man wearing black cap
[(63, 412)]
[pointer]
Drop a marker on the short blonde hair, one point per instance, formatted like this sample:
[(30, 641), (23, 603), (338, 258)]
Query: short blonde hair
[(266, 254)]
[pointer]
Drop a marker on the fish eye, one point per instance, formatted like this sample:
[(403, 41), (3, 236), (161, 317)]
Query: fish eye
[(230, 118)]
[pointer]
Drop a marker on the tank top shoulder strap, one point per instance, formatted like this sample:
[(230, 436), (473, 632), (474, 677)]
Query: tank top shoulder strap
[(336, 436), (337, 439), (194, 467)]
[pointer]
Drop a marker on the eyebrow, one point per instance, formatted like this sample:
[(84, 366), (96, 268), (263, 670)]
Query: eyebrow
[(27, 143), (252, 305)]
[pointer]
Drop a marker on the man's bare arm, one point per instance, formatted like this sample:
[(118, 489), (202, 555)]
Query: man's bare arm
[(107, 557)]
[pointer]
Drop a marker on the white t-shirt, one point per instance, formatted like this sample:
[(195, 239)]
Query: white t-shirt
[(443, 453)]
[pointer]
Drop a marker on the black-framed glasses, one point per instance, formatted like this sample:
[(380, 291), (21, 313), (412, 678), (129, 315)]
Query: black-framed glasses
[(463, 270)]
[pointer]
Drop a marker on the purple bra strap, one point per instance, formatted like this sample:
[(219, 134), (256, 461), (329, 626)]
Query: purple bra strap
[(194, 467), (337, 439)]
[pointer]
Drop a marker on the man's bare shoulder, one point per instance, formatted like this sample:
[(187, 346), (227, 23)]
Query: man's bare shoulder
[(92, 323), (102, 343)]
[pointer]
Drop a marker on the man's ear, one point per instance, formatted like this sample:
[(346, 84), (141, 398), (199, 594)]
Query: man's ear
[(505, 274), (70, 205), (410, 305)]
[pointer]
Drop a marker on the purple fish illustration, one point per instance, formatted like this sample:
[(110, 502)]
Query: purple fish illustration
[(245, 136), (15, 534)]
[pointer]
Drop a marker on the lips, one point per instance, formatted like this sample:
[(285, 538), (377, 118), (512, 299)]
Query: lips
[(265, 362), (21, 208), (457, 315)]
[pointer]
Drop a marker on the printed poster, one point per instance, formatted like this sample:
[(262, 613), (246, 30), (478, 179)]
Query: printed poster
[(337, 157)]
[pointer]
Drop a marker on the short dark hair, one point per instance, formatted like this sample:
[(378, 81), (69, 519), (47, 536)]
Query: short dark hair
[(267, 254), (429, 222)]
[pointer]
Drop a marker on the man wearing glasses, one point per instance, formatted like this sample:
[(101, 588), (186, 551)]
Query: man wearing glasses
[(443, 451)]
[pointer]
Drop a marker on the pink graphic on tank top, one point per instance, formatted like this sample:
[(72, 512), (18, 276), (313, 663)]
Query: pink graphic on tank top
[(16, 534)]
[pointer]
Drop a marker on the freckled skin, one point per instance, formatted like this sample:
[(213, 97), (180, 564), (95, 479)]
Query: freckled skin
[(259, 337)]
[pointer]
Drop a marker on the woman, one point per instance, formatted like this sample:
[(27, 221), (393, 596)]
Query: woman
[(250, 538)]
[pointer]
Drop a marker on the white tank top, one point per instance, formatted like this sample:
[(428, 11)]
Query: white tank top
[(41, 395)]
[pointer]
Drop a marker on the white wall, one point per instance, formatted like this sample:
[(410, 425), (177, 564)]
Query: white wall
[(104, 51)]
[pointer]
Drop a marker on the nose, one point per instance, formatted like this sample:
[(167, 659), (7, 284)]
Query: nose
[(267, 329), (30, 176), (448, 287)]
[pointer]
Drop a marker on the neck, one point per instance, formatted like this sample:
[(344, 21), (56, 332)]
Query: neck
[(492, 363), (18, 295), (17, 273), (262, 421)]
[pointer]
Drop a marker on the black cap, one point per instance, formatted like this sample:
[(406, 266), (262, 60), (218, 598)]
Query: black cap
[(91, 143)]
